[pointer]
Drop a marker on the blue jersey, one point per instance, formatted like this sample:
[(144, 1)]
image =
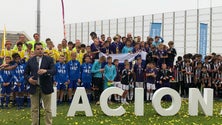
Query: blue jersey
[(151, 79), (86, 74), (127, 49), (1, 79), (139, 72), (18, 74), (96, 69), (110, 72), (61, 75), (73, 70), (116, 46), (162, 53), (118, 74), (7, 76)]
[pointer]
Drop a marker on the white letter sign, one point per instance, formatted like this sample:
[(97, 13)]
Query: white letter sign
[(75, 106), (139, 102), (176, 101), (206, 102), (53, 102), (104, 99)]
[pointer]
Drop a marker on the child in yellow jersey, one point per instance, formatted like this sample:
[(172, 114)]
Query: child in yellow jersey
[(69, 51), (50, 50), (77, 51), (60, 52), (28, 52), (7, 51), (19, 50), (82, 53)]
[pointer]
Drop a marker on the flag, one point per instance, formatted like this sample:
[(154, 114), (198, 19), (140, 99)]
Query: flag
[(126, 56), (203, 39), (155, 29), (63, 19), (4, 38)]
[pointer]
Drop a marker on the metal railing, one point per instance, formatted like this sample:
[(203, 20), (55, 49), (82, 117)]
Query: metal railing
[(182, 27)]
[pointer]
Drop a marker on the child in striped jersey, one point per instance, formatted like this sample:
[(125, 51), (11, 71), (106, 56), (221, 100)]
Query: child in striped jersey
[(218, 83), (205, 78), (188, 76)]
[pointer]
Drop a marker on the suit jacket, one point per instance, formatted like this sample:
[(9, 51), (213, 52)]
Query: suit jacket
[(46, 80)]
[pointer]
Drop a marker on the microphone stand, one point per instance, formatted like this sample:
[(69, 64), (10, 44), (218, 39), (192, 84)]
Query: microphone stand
[(39, 87), (39, 102)]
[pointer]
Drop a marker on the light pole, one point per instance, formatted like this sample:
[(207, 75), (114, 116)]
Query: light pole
[(38, 17), (211, 3)]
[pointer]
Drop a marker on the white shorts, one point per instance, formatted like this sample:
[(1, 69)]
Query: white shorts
[(117, 84), (139, 84), (125, 87), (150, 86)]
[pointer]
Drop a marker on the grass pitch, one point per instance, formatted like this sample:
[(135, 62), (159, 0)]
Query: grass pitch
[(12, 116)]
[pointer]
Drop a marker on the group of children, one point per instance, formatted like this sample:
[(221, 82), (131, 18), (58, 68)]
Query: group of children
[(13, 83), (81, 66)]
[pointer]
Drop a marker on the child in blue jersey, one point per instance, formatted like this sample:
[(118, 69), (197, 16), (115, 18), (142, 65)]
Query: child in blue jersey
[(19, 81), (6, 84), (127, 48), (162, 55), (138, 70), (86, 76), (116, 46), (98, 71), (151, 74), (117, 79), (61, 78), (172, 53), (1, 82), (74, 75), (109, 73)]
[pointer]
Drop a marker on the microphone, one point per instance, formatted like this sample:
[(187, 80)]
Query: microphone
[(38, 60)]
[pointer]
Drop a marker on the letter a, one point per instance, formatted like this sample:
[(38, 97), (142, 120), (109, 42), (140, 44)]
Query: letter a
[(75, 106)]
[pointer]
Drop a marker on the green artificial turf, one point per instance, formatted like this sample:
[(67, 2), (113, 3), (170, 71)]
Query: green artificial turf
[(12, 116)]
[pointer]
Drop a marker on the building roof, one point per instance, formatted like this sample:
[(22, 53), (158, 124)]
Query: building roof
[(13, 36)]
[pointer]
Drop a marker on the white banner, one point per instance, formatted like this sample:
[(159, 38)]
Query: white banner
[(128, 56)]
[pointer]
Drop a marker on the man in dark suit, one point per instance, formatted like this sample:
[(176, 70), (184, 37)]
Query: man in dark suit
[(39, 73)]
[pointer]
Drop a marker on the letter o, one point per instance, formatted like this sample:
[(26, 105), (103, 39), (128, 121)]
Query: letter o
[(176, 101)]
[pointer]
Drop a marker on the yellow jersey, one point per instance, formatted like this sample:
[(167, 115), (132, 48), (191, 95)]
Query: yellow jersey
[(52, 53), (6, 52), (21, 53), (80, 56), (33, 43), (27, 55), (58, 53), (68, 55), (24, 47)]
